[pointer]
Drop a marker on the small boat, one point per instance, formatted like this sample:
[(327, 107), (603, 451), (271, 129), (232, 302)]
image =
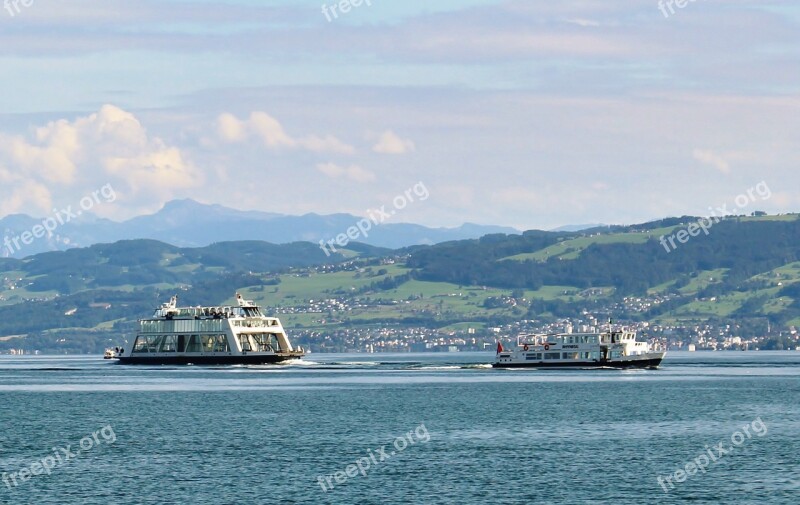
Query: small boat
[(111, 353), (232, 335), (611, 349)]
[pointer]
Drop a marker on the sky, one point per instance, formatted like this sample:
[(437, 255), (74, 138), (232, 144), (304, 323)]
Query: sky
[(532, 114)]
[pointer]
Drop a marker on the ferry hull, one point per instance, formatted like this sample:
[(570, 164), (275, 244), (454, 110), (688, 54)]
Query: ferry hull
[(620, 364), (246, 359)]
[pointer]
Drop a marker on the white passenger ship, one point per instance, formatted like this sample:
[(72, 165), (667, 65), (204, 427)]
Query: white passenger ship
[(209, 336), (612, 349)]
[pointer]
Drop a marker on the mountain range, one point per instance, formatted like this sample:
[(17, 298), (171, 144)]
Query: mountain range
[(188, 223)]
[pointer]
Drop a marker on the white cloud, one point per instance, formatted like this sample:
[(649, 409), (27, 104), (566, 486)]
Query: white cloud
[(582, 22), (270, 131), (22, 194), (63, 161), (353, 172), (709, 157), (390, 143), (229, 128), (328, 143)]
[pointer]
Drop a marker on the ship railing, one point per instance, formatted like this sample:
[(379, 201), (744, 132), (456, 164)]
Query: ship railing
[(535, 339)]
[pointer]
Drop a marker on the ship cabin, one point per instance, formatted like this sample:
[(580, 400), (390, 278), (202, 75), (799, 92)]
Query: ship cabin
[(226, 330)]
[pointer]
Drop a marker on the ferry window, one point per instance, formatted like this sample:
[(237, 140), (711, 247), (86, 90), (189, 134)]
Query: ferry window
[(273, 342), (552, 355), (194, 344), (208, 342), (146, 343), (245, 342), (221, 344), (570, 355), (169, 343), (265, 342), (140, 345)]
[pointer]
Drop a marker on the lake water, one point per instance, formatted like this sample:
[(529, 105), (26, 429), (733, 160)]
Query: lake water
[(422, 428)]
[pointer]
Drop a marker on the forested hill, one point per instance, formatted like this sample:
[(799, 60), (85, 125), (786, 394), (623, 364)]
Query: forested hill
[(629, 259)]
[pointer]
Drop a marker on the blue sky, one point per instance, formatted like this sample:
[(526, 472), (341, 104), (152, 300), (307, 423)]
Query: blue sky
[(525, 113)]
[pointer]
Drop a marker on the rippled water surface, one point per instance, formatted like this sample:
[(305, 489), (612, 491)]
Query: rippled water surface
[(426, 428)]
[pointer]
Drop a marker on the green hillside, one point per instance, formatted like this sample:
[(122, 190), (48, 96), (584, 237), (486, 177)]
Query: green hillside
[(744, 274)]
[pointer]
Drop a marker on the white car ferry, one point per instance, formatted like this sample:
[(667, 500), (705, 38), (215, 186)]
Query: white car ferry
[(612, 349), (209, 336)]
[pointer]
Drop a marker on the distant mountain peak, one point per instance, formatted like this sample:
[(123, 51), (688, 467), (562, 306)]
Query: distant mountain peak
[(186, 222)]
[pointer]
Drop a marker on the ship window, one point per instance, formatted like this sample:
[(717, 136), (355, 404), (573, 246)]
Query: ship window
[(194, 344), (552, 355), (265, 342), (570, 355), (244, 340), (169, 343), (184, 326), (221, 344), (143, 343)]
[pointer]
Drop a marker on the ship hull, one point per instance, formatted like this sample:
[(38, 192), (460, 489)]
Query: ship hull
[(652, 362), (246, 359)]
